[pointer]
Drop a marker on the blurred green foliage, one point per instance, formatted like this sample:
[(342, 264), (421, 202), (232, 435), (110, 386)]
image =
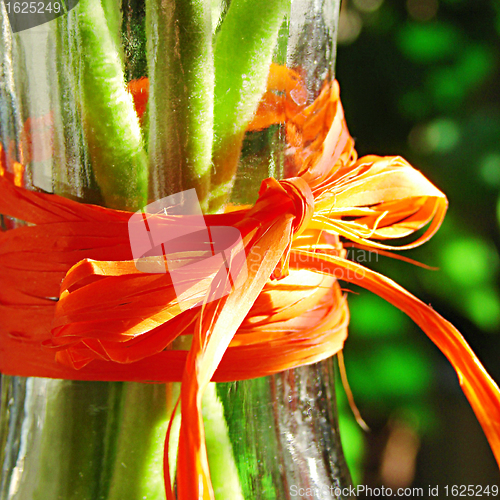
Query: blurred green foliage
[(421, 79)]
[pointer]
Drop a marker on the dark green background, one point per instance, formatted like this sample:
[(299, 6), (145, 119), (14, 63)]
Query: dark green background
[(421, 79)]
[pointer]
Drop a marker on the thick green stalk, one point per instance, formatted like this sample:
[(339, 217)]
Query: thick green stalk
[(92, 73), (180, 107), (131, 463), (139, 456), (223, 471), (113, 131), (242, 57), (73, 441), (80, 417), (114, 18)]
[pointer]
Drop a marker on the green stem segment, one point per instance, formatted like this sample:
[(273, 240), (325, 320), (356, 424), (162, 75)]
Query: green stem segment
[(93, 422), (136, 425), (74, 441), (139, 456), (242, 57), (114, 19), (223, 470), (113, 131), (180, 106)]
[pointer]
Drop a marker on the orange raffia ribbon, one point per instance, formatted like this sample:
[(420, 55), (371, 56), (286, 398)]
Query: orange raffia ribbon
[(112, 322)]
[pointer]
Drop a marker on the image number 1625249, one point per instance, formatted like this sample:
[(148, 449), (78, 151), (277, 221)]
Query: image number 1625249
[(24, 15), (16, 7)]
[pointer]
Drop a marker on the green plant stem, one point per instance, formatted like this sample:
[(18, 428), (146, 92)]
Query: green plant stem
[(242, 57), (82, 452), (139, 456), (223, 471), (180, 106), (113, 131), (114, 18), (133, 465), (80, 417), (74, 441)]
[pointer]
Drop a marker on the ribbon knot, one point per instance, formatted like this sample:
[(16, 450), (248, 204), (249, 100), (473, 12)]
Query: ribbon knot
[(303, 200), (291, 196)]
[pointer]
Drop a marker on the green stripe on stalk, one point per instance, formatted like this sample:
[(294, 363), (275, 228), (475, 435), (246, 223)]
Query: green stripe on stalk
[(139, 456), (223, 470), (180, 106), (111, 123), (114, 17), (73, 441), (221, 190), (242, 57)]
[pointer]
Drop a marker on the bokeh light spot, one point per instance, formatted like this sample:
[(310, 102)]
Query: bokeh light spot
[(392, 372), (442, 135), (476, 64), (350, 25), (447, 86), (483, 307), (422, 10), (498, 210), (414, 104), (469, 261), (368, 5), (425, 43), (372, 316), (439, 136), (490, 169)]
